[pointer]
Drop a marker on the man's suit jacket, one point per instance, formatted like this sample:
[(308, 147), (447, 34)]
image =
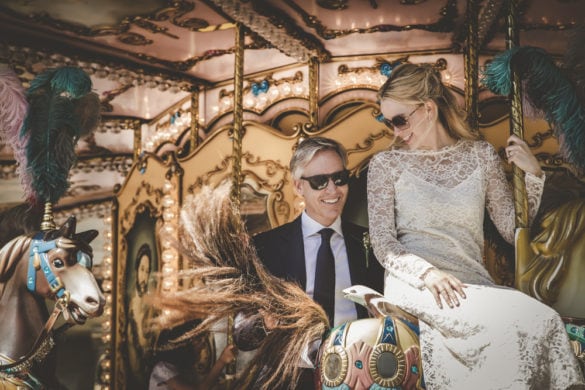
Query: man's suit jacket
[(283, 253)]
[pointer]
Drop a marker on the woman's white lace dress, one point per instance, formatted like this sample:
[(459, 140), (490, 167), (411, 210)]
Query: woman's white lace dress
[(426, 209)]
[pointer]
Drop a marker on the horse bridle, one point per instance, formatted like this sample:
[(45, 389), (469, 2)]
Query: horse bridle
[(38, 259)]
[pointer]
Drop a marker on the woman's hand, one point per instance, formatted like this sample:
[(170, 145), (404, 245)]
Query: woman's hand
[(520, 155), (444, 287)]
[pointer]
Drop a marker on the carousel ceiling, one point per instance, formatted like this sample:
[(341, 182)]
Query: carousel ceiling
[(148, 56)]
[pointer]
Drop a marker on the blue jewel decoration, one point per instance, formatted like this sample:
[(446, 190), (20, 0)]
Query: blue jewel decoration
[(386, 69), (380, 118), (255, 89), (414, 370), (359, 364)]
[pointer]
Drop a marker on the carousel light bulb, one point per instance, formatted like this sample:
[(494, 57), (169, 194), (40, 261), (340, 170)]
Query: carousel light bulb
[(168, 215), (167, 186), (168, 201)]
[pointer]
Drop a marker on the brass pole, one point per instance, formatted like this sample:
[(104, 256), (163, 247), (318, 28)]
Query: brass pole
[(237, 160), (137, 142), (314, 92), (516, 118), (472, 66), (194, 130), (238, 115)]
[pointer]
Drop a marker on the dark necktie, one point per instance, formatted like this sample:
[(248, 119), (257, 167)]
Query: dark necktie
[(324, 293)]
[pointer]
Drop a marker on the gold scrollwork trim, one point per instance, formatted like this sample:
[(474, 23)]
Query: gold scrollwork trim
[(205, 179), (296, 78), (331, 352), (446, 23), (398, 376)]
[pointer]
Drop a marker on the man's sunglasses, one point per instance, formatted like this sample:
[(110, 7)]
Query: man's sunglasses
[(400, 122), (319, 182)]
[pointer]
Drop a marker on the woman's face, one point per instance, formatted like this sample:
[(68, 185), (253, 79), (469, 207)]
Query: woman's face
[(409, 121)]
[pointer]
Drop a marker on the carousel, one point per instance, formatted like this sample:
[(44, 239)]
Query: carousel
[(116, 116)]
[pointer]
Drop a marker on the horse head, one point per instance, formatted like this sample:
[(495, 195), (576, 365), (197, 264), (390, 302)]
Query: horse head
[(63, 259)]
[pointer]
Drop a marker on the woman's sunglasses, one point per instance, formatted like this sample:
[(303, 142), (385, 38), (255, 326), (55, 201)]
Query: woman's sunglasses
[(319, 182), (400, 121)]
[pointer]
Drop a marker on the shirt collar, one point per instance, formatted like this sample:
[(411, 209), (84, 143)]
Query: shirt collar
[(311, 227)]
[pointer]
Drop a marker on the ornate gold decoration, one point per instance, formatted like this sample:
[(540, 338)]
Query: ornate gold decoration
[(332, 4), (172, 13), (334, 366), (275, 27), (48, 222), (222, 167), (296, 78), (272, 168), (111, 95), (398, 376), (26, 62), (446, 23), (367, 144), (117, 125)]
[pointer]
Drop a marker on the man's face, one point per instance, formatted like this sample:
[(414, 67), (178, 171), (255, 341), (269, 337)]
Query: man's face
[(325, 205), (142, 274)]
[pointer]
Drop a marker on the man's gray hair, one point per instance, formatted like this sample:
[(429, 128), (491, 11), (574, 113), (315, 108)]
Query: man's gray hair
[(307, 149)]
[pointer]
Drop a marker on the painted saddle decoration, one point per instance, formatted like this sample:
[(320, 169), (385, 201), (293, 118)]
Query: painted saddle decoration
[(375, 353)]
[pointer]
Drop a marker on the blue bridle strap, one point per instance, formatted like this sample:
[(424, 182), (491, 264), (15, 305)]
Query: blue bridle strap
[(38, 258)]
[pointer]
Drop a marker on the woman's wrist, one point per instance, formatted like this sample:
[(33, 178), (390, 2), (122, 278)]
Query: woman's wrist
[(426, 273)]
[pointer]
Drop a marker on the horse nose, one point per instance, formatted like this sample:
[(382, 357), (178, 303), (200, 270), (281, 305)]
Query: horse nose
[(95, 305)]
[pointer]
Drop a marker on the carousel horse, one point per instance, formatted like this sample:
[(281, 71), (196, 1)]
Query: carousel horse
[(374, 353), (55, 265)]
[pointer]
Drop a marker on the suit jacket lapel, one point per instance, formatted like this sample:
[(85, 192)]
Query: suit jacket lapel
[(295, 253)]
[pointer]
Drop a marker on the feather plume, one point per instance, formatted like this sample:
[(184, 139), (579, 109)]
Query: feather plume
[(13, 106), (549, 90), (62, 108), (226, 277)]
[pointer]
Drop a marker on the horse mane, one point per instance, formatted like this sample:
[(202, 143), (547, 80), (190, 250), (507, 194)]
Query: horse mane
[(18, 220), (226, 277), (552, 245), (10, 254)]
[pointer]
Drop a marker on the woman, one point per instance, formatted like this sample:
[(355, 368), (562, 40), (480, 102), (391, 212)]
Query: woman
[(426, 202)]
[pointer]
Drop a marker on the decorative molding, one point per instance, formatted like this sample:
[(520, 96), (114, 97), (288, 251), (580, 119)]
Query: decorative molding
[(25, 61), (446, 23), (118, 125), (276, 27), (172, 12), (120, 164)]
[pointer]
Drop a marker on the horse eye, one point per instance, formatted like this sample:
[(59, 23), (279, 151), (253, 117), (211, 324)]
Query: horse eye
[(58, 263)]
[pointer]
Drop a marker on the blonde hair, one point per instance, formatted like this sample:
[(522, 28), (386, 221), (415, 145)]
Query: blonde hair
[(418, 83)]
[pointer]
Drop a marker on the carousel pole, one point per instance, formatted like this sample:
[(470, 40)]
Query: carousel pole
[(516, 118), (194, 129), (472, 66), (522, 242), (237, 159), (314, 92), (137, 147)]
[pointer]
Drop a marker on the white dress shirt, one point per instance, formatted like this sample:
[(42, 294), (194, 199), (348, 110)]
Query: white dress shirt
[(344, 309)]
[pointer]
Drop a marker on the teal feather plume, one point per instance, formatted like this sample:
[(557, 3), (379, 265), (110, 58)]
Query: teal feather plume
[(62, 108), (547, 89)]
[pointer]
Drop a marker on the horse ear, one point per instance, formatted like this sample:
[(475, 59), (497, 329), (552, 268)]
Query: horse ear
[(86, 236), (68, 228)]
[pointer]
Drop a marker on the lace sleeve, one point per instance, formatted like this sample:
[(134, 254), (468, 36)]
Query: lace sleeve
[(388, 250), (500, 201)]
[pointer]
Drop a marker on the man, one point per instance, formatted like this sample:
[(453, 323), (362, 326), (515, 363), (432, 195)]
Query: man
[(292, 251)]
